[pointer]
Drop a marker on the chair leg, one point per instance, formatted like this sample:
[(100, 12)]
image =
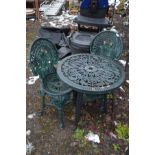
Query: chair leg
[(58, 102), (113, 105), (42, 105), (61, 117)]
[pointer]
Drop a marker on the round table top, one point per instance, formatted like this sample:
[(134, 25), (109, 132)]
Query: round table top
[(88, 73)]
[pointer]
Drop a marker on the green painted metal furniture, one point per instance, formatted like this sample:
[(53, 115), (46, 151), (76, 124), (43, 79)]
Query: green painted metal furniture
[(107, 43), (43, 58), (89, 74)]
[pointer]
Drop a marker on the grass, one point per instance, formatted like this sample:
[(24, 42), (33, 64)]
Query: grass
[(122, 131), (116, 147)]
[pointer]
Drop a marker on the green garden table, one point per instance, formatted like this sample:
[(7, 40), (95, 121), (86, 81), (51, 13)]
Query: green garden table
[(90, 74)]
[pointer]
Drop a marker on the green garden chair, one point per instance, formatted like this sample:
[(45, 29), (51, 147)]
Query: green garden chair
[(107, 43), (43, 58)]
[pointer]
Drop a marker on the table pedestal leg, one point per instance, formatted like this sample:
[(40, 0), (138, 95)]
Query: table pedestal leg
[(103, 107), (105, 103), (79, 101), (74, 97)]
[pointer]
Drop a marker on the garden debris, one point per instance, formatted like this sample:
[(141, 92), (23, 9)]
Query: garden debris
[(112, 135), (123, 62), (73, 144), (29, 148), (30, 11), (112, 3), (121, 98), (92, 137), (120, 6), (54, 8), (32, 80), (63, 21), (28, 132), (121, 88), (115, 123), (122, 35), (30, 116), (114, 29), (125, 23), (32, 19)]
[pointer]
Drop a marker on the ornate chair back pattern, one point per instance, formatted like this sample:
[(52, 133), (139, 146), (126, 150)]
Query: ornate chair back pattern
[(43, 57), (107, 43)]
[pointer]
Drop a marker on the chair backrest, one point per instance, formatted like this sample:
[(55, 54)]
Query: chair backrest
[(107, 43), (43, 57)]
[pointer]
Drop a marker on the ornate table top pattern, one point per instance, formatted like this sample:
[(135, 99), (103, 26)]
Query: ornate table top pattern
[(89, 73)]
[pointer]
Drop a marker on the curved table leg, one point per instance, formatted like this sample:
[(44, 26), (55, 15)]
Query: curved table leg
[(79, 101), (74, 97), (61, 117), (42, 105), (104, 104)]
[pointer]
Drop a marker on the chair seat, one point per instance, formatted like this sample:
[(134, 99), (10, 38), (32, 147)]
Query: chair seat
[(52, 85)]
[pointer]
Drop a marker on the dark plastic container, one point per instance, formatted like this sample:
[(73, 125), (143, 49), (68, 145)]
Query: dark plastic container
[(79, 42)]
